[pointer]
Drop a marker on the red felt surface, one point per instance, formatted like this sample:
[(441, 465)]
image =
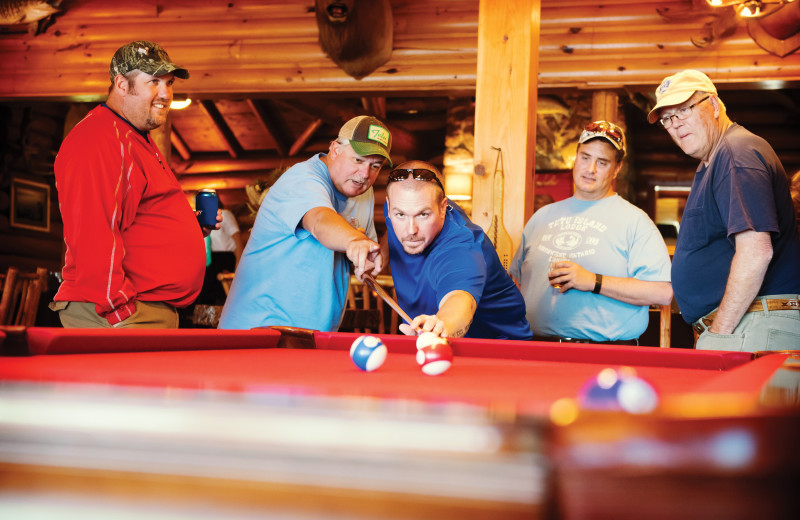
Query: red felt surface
[(526, 386)]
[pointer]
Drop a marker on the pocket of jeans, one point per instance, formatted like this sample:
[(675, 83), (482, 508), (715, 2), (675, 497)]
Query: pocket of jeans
[(782, 340), (57, 306), (711, 341)]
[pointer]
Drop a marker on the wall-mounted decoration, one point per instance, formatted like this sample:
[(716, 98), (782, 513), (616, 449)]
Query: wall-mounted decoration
[(551, 186), (30, 205), (356, 34)]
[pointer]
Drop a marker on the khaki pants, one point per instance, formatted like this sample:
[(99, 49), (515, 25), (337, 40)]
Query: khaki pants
[(757, 331), (148, 315)]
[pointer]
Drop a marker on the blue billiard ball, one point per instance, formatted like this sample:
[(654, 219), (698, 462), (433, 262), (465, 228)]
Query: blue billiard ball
[(618, 389), (368, 353)]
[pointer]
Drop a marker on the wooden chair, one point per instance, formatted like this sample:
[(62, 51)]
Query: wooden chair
[(226, 279), (365, 311), (21, 293)]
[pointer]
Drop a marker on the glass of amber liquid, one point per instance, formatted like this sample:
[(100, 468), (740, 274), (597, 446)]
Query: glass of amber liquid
[(553, 261)]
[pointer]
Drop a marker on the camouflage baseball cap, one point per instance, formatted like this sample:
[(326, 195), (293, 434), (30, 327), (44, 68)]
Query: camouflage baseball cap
[(147, 57)]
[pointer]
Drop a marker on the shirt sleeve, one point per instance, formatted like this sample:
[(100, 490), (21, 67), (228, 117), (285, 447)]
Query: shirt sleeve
[(97, 198)]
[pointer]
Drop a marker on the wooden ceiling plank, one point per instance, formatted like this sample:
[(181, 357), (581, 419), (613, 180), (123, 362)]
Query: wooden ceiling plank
[(180, 145), (375, 105), (225, 132), (271, 120), (301, 141)]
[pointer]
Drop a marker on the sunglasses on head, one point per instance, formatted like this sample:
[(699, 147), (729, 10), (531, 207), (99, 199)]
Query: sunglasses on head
[(604, 129), (419, 174)]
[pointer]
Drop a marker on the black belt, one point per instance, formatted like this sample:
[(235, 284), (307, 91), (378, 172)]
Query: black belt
[(557, 339)]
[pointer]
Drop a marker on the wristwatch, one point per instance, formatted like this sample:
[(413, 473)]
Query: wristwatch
[(598, 283)]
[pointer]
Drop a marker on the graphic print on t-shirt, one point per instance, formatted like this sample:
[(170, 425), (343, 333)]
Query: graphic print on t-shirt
[(574, 237)]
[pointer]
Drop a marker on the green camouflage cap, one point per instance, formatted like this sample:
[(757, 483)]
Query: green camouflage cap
[(147, 57)]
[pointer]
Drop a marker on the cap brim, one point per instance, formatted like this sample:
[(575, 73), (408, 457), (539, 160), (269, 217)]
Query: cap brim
[(364, 149), (667, 101), (177, 72)]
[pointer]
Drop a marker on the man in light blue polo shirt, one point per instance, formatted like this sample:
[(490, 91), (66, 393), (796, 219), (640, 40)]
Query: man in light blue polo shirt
[(319, 214)]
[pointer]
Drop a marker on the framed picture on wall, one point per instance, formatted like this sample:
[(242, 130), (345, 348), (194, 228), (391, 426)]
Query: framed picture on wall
[(30, 205), (551, 186)]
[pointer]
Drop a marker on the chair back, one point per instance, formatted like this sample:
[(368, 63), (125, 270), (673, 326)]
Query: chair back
[(366, 311), (21, 293), (226, 279)]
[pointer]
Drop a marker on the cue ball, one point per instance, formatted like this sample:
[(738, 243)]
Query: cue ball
[(619, 390), (368, 353), (435, 359), (426, 339)]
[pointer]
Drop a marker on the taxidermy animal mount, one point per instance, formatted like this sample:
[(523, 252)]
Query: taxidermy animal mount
[(356, 34)]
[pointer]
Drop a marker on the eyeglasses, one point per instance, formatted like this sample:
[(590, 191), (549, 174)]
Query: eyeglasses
[(419, 174), (681, 113), (603, 129)]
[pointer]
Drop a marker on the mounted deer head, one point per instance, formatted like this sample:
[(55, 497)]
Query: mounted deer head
[(356, 34)]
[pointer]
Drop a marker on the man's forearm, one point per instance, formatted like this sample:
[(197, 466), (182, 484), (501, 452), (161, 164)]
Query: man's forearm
[(748, 267), (637, 292), (456, 311)]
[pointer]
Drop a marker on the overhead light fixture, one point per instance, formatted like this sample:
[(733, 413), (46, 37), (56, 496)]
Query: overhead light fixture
[(750, 8), (179, 103)]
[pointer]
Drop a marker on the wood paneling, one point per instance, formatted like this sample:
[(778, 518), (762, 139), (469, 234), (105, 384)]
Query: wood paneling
[(270, 46)]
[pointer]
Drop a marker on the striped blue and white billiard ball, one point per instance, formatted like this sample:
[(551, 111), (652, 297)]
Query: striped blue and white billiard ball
[(368, 353), (618, 389)]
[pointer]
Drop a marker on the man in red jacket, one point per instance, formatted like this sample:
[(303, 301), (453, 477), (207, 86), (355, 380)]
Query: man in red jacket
[(135, 250)]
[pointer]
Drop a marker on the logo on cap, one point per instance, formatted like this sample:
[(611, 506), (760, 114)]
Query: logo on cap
[(664, 86), (378, 133)]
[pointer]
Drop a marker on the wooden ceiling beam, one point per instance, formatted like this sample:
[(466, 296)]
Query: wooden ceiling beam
[(221, 126), (304, 137), (375, 105), (335, 115), (180, 145), (222, 164), (271, 120)]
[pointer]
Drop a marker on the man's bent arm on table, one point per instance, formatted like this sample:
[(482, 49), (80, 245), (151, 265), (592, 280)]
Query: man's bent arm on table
[(333, 232), (453, 318)]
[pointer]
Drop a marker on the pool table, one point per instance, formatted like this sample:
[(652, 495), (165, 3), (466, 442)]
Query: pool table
[(228, 383)]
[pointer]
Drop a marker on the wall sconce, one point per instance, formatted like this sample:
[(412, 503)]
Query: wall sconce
[(179, 102), (751, 8), (458, 186)]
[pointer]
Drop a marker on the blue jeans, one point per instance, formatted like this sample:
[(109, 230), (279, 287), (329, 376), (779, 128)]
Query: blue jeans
[(758, 330)]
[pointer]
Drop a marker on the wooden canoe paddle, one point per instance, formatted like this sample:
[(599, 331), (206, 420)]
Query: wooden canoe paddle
[(502, 243)]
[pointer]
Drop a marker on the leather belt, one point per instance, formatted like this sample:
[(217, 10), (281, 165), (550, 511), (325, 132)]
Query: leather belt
[(558, 339), (773, 304)]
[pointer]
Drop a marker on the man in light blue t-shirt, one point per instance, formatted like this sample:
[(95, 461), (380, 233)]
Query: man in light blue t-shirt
[(319, 214), (610, 264)]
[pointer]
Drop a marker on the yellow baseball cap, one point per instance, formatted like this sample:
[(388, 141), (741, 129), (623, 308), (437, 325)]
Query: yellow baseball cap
[(679, 87)]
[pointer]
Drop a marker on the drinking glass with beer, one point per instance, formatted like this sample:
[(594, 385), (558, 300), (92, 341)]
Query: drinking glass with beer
[(554, 259)]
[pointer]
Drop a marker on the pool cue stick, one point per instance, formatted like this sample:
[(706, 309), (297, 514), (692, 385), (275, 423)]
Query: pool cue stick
[(369, 280)]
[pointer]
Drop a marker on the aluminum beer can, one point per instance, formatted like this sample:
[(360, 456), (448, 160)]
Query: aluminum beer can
[(207, 203)]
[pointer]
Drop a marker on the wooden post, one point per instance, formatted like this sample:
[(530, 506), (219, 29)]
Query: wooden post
[(605, 106), (505, 111)]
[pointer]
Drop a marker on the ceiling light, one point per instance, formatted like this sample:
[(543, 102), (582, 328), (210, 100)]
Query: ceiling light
[(750, 8), (178, 104)]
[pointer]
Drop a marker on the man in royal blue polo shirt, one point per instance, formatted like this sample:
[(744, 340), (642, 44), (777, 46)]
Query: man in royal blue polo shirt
[(446, 272)]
